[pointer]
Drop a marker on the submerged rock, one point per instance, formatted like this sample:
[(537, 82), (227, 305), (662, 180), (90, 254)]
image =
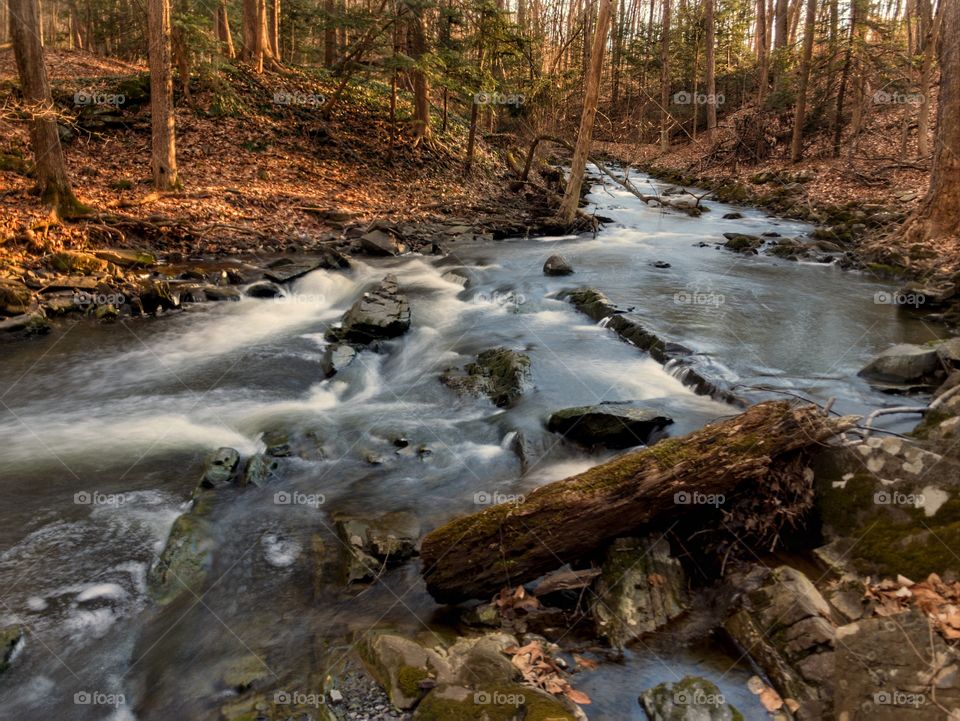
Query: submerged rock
[(742, 242), (336, 357), (381, 313), (499, 373), (186, 559), (641, 588), (615, 425), (391, 537), (691, 699), (557, 265), (260, 470)]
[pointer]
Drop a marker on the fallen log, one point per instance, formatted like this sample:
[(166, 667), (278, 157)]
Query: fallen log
[(562, 522)]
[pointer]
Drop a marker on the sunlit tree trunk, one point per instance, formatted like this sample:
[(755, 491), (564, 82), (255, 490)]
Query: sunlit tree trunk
[(571, 196), (163, 158), (224, 36), (51, 167)]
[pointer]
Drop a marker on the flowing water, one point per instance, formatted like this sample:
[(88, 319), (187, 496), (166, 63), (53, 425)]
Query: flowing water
[(105, 429)]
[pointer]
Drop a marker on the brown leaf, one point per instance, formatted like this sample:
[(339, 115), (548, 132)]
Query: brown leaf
[(578, 697)]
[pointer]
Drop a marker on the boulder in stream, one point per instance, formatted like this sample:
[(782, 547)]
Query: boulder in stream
[(263, 289), (10, 638), (690, 699), (641, 588), (381, 313), (391, 537), (742, 242), (903, 365), (557, 265), (220, 468), (499, 373), (611, 424)]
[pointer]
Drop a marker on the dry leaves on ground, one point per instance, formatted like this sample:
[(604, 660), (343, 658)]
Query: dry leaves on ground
[(541, 671), (939, 600)]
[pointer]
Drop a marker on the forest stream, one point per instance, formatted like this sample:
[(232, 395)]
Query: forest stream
[(106, 428)]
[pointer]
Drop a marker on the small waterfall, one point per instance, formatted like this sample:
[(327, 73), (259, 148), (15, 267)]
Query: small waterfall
[(605, 322)]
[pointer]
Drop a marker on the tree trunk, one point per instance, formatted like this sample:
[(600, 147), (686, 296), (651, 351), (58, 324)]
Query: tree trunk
[(926, 73), (763, 52), (273, 31), (565, 521), (665, 80), (571, 196), (223, 31), (51, 167), (844, 80), (711, 71), (800, 114), (163, 157), (417, 38), (329, 34), (256, 42), (939, 214)]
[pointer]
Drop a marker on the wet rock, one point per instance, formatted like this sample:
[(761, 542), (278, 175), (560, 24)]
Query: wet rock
[(660, 264), (502, 702), (401, 666), (29, 323), (611, 424), (157, 295), (785, 627), (691, 699), (460, 276), (732, 216), (15, 298), (903, 364), (10, 637), (221, 293), (336, 357), (379, 242), (263, 289), (380, 314), (288, 271), (220, 468), (640, 589), (557, 265), (391, 537), (127, 258), (909, 673), (499, 373), (742, 243), (186, 558), (260, 470)]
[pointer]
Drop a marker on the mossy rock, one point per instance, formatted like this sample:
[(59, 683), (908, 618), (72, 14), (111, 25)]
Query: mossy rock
[(77, 263), (499, 373), (10, 636), (400, 666), (690, 699), (502, 702), (186, 558)]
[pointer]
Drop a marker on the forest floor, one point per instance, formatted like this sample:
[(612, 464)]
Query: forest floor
[(258, 175)]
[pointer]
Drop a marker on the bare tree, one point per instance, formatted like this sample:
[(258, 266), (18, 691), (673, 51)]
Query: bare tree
[(800, 113), (711, 72), (571, 196), (939, 214), (665, 79), (223, 30), (163, 159), (51, 167)]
